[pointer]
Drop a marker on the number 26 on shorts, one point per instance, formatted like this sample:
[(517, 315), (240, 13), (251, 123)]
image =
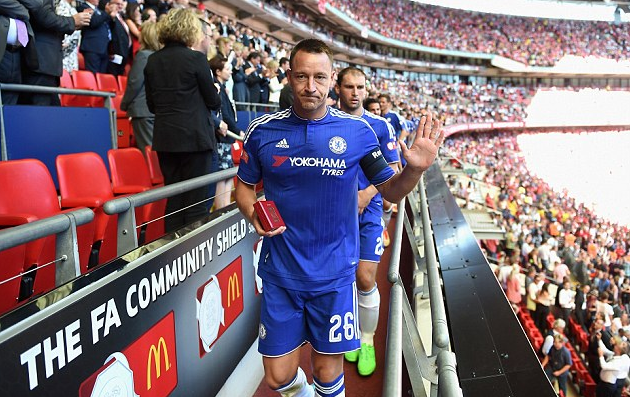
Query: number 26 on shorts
[(342, 328)]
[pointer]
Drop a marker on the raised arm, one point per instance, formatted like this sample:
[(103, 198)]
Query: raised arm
[(419, 157)]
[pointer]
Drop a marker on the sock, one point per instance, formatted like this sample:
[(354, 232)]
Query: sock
[(336, 388), (298, 387), (369, 304), (387, 215)]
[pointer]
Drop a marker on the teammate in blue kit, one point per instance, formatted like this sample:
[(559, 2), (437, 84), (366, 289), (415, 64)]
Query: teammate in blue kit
[(308, 157), (351, 88)]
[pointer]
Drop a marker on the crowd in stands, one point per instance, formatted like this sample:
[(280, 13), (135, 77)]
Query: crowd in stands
[(576, 264), (532, 41)]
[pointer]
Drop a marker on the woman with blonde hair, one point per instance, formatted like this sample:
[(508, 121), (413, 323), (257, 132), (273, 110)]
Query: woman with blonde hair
[(181, 93), (275, 86), (134, 101)]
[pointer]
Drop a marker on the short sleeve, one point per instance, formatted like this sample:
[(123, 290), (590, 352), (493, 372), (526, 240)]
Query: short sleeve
[(389, 146), (373, 163), (249, 170)]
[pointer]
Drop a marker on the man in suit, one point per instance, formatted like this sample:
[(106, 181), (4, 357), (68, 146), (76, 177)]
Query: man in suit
[(256, 77), (225, 27), (580, 305), (96, 36), (282, 70), (16, 46), (121, 40), (49, 31)]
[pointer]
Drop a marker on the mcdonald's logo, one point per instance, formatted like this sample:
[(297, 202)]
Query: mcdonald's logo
[(234, 290), (154, 353), (155, 357), (230, 282)]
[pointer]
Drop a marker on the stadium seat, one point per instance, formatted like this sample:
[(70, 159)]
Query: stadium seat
[(81, 60), (130, 174), (107, 82), (29, 194), (66, 82), (11, 266), (122, 83), (123, 124), (84, 79), (84, 181), (154, 166)]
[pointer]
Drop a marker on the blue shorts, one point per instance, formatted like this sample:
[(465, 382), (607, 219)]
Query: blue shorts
[(371, 227), (327, 319)]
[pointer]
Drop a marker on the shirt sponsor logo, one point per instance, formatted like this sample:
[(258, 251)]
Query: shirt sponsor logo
[(321, 162), (278, 160), (391, 145)]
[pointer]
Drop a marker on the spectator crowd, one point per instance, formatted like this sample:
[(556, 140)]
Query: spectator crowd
[(532, 41), (575, 263)]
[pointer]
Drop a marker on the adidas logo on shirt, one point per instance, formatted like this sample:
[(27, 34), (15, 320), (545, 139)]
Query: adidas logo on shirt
[(283, 144)]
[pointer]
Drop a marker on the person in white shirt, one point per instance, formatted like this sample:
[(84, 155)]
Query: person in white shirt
[(558, 329), (566, 300), (614, 371), (605, 307)]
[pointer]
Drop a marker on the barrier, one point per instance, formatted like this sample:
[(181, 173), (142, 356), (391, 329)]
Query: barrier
[(43, 132), (171, 318)]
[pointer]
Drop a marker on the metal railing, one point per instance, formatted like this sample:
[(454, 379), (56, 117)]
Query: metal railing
[(66, 251), (52, 90), (403, 337), (125, 206)]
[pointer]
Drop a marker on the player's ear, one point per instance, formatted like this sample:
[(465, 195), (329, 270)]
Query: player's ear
[(333, 80)]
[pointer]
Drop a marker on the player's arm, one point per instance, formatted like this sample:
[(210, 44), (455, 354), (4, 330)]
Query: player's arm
[(365, 196), (419, 158), (245, 196)]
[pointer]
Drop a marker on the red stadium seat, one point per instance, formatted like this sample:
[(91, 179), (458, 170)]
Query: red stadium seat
[(154, 166), (29, 194), (81, 61), (130, 174), (123, 124), (84, 79), (66, 82), (122, 83), (84, 181), (107, 82), (11, 266)]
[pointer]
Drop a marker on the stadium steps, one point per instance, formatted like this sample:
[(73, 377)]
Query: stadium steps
[(483, 225)]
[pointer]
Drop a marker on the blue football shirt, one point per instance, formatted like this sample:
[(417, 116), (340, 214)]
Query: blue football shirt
[(394, 120), (387, 141), (310, 168)]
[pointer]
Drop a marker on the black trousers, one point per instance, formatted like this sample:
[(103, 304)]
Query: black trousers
[(177, 167), (95, 63), (605, 389), (11, 73), (43, 80)]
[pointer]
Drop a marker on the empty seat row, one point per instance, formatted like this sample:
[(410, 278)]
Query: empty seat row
[(86, 80), (30, 195)]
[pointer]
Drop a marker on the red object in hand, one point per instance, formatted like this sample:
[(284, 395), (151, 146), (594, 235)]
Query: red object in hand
[(268, 214)]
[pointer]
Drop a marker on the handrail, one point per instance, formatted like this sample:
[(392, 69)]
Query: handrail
[(438, 312), (392, 379), (258, 104), (22, 234), (124, 206), (446, 383), (65, 227), (54, 90), (57, 90)]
